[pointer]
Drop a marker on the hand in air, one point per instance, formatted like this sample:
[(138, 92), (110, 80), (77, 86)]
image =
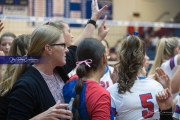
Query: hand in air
[(96, 12)]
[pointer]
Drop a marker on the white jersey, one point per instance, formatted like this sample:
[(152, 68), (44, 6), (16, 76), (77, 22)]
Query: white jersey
[(176, 113), (139, 104), (106, 80), (170, 66)]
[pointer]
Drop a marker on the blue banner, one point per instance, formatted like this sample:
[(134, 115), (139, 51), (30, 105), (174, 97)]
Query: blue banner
[(83, 8), (22, 60)]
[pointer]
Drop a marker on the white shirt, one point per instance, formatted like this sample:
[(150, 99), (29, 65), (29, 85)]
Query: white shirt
[(135, 105), (106, 80)]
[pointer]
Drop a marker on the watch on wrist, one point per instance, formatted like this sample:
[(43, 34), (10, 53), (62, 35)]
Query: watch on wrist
[(92, 22)]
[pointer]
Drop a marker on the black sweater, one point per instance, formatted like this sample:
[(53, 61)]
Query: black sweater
[(30, 95)]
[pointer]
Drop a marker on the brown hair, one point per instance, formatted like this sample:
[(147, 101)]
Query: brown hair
[(131, 56)]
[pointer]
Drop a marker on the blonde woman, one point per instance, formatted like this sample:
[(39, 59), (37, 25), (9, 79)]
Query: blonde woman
[(166, 49), (18, 48)]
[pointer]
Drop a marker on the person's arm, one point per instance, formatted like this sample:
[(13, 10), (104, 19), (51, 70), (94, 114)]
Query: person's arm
[(87, 33), (175, 81), (89, 29), (102, 108), (98, 103), (164, 100), (175, 78), (23, 104)]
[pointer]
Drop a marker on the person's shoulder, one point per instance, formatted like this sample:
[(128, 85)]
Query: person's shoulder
[(95, 88), (115, 95), (29, 76), (153, 82)]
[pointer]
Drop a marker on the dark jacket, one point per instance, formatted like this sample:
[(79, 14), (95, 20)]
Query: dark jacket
[(30, 95)]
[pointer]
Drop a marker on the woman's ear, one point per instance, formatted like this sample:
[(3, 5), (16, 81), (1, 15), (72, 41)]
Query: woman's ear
[(104, 59), (48, 49), (177, 51)]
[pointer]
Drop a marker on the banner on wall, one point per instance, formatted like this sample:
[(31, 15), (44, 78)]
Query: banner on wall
[(82, 9), (14, 7), (15, 10)]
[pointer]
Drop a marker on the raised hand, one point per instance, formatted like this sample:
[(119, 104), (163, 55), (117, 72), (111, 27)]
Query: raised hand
[(103, 30), (55, 113), (162, 78), (96, 12), (164, 99), (1, 26)]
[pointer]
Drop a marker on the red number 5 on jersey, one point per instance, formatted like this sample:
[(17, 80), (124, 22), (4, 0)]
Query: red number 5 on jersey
[(149, 105)]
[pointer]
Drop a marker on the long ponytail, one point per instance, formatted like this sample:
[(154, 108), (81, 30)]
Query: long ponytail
[(81, 72)]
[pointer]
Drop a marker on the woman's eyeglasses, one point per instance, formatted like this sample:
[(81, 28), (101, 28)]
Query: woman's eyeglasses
[(61, 44)]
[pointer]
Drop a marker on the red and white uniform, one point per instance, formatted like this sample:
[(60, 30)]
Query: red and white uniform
[(138, 105), (106, 80)]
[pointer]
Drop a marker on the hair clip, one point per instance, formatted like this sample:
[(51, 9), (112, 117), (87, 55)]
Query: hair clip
[(87, 62), (166, 40)]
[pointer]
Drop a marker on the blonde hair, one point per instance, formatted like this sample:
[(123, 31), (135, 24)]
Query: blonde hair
[(58, 24), (164, 51), (43, 35), (18, 47)]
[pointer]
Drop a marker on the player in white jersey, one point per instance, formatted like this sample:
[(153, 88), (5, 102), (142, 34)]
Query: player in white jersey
[(139, 104), (133, 96), (106, 80)]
